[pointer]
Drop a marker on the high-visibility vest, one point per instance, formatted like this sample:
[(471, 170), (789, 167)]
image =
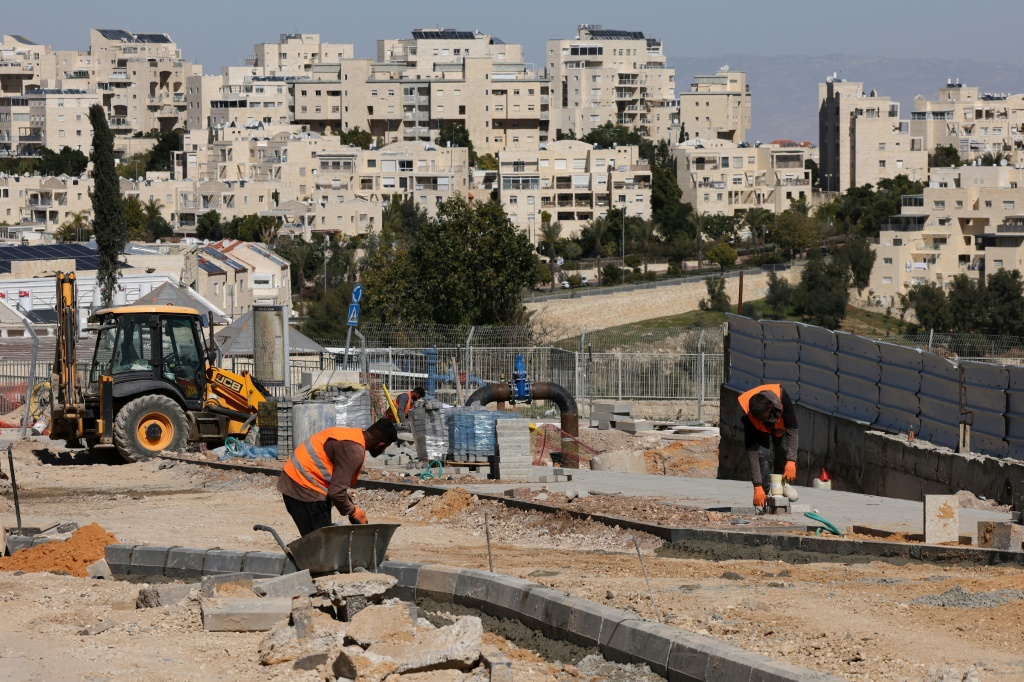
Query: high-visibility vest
[(408, 403), (780, 427), (309, 465)]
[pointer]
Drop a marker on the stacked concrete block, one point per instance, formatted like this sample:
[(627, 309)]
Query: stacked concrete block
[(515, 453), (618, 416), (556, 476), (430, 429), (941, 519)]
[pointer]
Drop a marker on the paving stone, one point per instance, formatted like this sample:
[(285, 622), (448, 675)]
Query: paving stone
[(264, 564), (219, 561), (941, 519), (591, 623), (406, 574), (119, 558), (437, 582), (456, 646), (614, 408), (244, 615), (163, 595), (504, 596), (214, 585), (1001, 535), (641, 642), (99, 569), (291, 585), (185, 562), (147, 560)]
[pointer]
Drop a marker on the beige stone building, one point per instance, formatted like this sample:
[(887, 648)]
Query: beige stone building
[(297, 54), (574, 182), (220, 279), (45, 118), (717, 107), (723, 177), (862, 138), (970, 220), (269, 274), (24, 64), (974, 123), (605, 75)]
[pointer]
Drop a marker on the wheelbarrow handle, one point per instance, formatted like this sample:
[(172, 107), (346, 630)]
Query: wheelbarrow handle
[(264, 527)]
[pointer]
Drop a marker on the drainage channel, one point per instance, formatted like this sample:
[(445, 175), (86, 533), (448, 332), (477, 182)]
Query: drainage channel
[(793, 546)]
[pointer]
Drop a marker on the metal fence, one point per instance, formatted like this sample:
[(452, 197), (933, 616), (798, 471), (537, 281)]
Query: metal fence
[(1005, 350), (893, 387)]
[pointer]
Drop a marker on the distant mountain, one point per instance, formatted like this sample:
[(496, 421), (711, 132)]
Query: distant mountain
[(785, 88)]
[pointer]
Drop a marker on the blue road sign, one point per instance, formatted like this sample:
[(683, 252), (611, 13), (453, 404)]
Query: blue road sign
[(357, 293), (353, 315)]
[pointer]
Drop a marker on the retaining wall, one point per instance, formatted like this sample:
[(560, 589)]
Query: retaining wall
[(862, 459)]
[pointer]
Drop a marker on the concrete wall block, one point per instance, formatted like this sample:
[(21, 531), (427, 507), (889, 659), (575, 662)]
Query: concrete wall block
[(504, 596), (642, 642), (264, 564), (147, 560), (119, 557), (185, 562), (941, 519), (244, 615), (212, 583), (437, 582), (471, 588), (1001, 535), (219, 561), (298, 584), (588, 622)]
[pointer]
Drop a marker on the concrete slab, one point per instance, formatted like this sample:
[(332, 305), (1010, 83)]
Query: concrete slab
[(941, 519), (296, 584), (244, 615), (1000, 535)]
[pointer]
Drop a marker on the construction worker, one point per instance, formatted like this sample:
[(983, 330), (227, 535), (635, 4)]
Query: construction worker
[(322, 469), (769, 422), (407, 400)]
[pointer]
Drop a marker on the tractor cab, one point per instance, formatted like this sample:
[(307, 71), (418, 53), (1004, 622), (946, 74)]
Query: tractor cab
[(151, 349)]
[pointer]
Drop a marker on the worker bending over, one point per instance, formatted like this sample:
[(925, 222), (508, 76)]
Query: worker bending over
[(769, 423), (407, 400), (322, 470)]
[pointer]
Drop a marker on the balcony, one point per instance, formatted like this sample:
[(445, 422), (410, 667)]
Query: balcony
[(117, 76), (416, 99), (416, 131), (1011, 226), (544, 116), (788, 165), (34, 137), (37, 201), (545, 99), (625, 80), (119, 122), (624, 94)]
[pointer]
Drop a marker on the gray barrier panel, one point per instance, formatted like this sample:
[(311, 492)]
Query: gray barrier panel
[(782, 355), (940, 401), (985, 395), (818, 380), (898, 384), (746, 353), (1015, 413), (858, 372)]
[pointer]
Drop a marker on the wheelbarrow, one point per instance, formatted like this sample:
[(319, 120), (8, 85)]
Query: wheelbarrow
[(338, 549)]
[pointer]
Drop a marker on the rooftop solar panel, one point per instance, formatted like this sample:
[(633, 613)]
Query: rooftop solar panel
[(115, 34), (85, 257), (207, 266), (613, 34), (23, 40), (442, 34)]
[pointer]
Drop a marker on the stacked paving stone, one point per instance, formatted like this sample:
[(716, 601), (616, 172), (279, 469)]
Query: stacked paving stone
[(430, 428), (618, 416), (471, 433), (515, 454)]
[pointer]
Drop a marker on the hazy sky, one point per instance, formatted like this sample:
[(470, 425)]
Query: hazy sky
[(217, 33)]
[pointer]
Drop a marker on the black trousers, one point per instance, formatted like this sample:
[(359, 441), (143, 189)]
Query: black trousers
[(308, 516), (771, 458)]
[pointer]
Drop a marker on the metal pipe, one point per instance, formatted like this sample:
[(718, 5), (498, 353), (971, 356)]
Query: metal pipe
[(32, 379), (14, 487), (541, 390)]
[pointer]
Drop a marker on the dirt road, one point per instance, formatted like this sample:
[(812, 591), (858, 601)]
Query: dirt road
[(864, 621)]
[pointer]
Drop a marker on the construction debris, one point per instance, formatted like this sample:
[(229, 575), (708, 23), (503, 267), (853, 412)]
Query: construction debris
[(72, 556)]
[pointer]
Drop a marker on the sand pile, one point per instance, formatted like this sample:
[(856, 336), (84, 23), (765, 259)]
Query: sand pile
[(72, 556), (451, 503)]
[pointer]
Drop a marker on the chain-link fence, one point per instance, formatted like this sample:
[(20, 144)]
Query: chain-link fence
[(1003, 350)]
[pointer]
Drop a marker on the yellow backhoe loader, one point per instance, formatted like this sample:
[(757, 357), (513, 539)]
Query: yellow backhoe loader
[(153, 383)]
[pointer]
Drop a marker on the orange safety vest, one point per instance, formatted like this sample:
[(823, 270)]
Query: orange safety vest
[(309, 465), (780, 427), (408, 403)]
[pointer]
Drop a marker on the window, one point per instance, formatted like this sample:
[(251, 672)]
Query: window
[(881, 146), (1008, 205), (997, 263), (887, 261), (988, 204), (939, 205), (959, 204), (887, 280), (512, 200)]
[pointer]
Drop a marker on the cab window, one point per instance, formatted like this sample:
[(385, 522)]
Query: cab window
[(133, 349)]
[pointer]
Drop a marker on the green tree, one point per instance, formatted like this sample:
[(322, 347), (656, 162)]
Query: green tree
[(823, 292), (550, 233), (253, 228), (157, 226), (930, 306), (609, 134), (404, 217), (701, 223), (134, 166), (356, 137), (859, 256), (967, 307), (717, 299), (487, 162), (793, 232), (107, 207), (160, 155), (469, 265), (67, 161), (456, 135), (758, 220), (944, 157), (611, 275), (812, 165), (645, 236), (209, 226), (327, 315), (1004, 291), (990, 159), (595, 233), (75, 229), (722, 254), (779, 296), (134, 218)]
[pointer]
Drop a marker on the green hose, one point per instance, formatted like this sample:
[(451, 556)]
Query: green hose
[(829, 526), (232, 445), (429, 472)]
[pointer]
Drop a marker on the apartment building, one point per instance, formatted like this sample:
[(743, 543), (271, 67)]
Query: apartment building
[(717, 107), (969, 220), (573, 181), (53, 118), (24, 64), (220, 279), (974, 123), (728, 178), (269, 274), (862, 138), (605, 75), (296, 54)]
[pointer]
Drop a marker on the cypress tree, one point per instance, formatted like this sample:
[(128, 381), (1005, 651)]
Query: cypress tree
[(108, 223)]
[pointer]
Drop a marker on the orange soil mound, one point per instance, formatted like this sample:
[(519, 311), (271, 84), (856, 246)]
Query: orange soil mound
[(73, 556)]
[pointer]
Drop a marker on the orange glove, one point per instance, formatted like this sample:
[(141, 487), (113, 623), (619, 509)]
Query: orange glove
[(358, 517), (758, 496), (790, 473)]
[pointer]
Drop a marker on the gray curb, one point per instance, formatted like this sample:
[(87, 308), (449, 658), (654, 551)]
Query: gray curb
[(621, 636)]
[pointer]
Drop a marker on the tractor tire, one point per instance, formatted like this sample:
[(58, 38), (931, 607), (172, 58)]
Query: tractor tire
[(149, 425)]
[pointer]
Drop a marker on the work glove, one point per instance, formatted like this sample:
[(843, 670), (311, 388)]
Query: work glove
[(758, 496), (790, 473), (358, 517)]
